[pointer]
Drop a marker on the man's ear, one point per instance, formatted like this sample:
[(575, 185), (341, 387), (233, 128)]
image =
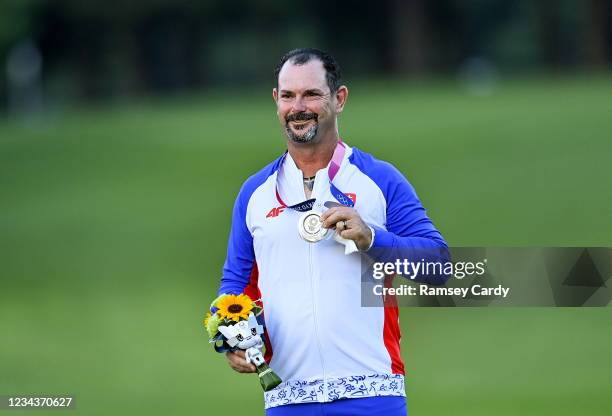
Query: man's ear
[(341, 97), (275, 94)]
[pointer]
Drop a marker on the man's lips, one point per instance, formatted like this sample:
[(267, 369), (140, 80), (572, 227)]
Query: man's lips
[(301, 124), (301, 118)]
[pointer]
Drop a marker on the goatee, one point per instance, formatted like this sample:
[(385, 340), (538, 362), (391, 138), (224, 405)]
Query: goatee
[(306, 136)]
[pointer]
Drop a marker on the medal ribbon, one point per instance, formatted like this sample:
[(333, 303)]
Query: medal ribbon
[(334, 167)]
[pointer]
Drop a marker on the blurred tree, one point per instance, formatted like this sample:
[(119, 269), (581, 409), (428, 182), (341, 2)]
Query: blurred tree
[(410, 37), (16, 20), (596, 33), (548, 14), (92, 49)]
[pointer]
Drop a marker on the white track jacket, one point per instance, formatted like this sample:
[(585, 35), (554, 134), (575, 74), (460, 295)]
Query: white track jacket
[(319, 339)]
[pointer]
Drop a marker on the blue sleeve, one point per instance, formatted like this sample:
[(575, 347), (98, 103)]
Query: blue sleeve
[(408, 225), (409, 231), (240, 257)]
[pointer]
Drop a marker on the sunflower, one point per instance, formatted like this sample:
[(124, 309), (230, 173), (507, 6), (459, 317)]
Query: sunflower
[(234, 308)]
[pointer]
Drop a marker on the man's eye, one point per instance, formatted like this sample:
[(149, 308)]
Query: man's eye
[(239, 337), (253, 331)]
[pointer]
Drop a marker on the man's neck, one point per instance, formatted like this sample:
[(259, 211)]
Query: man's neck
[(311, 157)]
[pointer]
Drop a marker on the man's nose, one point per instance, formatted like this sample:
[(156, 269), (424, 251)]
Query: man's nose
[(298, 105)]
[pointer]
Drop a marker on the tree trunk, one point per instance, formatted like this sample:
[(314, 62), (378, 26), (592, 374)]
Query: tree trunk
[(409, 36), (548, 33), (595, 36)]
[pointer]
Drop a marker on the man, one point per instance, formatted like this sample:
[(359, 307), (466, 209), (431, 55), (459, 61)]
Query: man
[(334, 356)]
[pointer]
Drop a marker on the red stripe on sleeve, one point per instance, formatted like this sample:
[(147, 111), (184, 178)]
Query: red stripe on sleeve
[(252, 290), (391, 331)]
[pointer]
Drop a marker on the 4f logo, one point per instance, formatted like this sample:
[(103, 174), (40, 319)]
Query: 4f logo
[(275, 212)]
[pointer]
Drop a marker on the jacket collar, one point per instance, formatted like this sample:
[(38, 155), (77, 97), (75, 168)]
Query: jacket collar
[(291, 180)]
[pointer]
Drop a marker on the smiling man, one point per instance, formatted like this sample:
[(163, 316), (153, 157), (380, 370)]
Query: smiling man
[(298, 229)]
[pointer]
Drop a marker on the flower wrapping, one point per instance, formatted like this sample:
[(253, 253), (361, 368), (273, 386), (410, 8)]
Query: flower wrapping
[(234, 323)]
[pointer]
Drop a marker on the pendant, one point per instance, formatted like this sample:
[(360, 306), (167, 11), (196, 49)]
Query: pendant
[(311, 227)]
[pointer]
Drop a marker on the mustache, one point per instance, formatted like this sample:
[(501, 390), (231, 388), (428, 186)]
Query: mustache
[(303, 116)]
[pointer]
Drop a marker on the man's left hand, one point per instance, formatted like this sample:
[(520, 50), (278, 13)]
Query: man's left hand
[(349, 225)]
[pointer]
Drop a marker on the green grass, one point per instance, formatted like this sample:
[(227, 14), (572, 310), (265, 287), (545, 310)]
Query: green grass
[(113, 224)]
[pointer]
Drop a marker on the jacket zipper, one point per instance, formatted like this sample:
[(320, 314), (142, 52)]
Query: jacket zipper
[(314, 313)]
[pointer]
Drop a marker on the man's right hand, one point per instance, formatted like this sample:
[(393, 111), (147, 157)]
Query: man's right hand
[(238, 362)]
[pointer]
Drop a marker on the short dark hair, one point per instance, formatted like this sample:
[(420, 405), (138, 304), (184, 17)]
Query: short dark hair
[(302, 56)]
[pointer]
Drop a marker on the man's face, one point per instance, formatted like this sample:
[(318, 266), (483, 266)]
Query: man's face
[(305, 107)]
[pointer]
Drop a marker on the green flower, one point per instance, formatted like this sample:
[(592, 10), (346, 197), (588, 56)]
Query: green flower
[(212, 325)]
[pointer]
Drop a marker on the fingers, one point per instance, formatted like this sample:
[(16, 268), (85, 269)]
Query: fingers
[(238, 362), (348, 225), (327, 214), (333, 215), (362, 236), (350, 234)]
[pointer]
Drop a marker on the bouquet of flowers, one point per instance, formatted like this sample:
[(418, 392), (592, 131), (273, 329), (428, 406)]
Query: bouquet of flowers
[(232, 324)]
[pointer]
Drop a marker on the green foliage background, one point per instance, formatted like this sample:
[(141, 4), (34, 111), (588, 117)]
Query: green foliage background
[(113, 223)]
